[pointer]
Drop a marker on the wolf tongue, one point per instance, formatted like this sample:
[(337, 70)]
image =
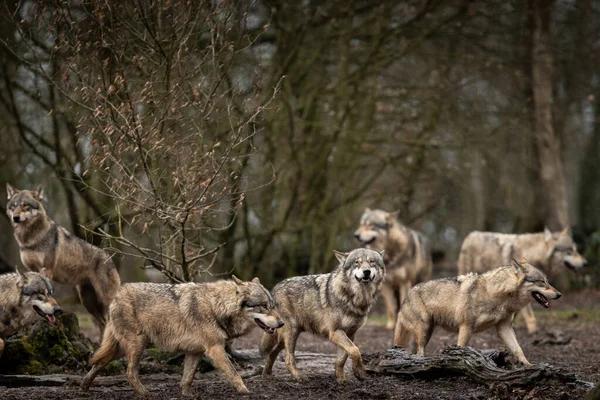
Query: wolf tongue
[(51, 318)]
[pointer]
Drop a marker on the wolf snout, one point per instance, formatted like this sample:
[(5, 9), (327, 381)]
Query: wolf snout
[(558, 295), (280, 324), (16, 218), (367, 273)]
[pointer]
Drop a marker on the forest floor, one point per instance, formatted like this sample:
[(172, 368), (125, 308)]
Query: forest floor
[(575, 316)]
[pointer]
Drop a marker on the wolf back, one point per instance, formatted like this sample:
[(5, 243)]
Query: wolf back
[(67, 258), (194, 319), (332, 306)]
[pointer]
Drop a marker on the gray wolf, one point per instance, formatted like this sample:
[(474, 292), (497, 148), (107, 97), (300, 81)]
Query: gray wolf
[(67, 258), (192, 318), (24, 297), (407, 256), (549, 251), (473, 303), (333, 306)]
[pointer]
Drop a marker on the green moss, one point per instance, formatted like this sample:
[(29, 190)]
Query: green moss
[(115, 367)]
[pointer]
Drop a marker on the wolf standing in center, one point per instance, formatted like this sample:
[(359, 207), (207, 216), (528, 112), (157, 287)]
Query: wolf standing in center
[(407, 256), (332, 306), (66, 258)]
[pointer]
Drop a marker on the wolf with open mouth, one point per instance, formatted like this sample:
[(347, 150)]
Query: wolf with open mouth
[(24, 298), (192, 318), (472, 303), (333, 306)]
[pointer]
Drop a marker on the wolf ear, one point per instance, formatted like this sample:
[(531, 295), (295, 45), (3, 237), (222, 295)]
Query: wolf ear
[(518, 267), (255, 280), (10, 191), (547, 234), (367, 210), (44, 272), (381, 253), (237, 280), (566, 231), (340, 256), (22, 277), (38, 192), (392, 215)]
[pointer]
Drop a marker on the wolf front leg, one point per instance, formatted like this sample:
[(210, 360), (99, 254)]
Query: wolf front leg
[(388, 292), (507, 334), (1, 347), (340, 338), (218, 356), (529, 317)]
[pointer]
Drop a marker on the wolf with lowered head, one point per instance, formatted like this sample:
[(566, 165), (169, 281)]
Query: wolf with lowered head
[(333, 306), (549, 251), (196, 319), (66, 258), (407, 256), (472, 303), (24, 297)]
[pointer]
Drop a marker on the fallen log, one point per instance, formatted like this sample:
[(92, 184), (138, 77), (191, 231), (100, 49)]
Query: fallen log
[(486, 367)]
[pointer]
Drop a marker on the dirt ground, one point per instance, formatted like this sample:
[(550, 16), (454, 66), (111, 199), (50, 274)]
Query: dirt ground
[(576, 316)]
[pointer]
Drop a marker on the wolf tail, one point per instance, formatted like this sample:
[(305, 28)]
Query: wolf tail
[(109, 348), (268, 342)]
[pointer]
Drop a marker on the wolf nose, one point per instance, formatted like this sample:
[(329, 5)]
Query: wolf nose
[(558, 295), (585, 262), (16, 218), (367, 273), (357, 236), (280, 324)]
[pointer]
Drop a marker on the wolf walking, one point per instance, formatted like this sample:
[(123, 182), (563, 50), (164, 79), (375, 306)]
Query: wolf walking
[(24, 297), (473, 303), (195, 319), (549, 251), (333, 306), (407, 256), (66, 258)]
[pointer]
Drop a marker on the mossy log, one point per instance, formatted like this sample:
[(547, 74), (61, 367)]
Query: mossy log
[(486, 367), (43, 348)]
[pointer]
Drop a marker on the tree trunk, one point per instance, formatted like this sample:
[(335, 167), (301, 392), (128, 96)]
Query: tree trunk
[(551, 168)]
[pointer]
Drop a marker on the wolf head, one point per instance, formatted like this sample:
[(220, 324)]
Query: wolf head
[(364, 266), (375, 227), (534, 283), (563, 251), (258, 304), (24, 206), (36, 291)]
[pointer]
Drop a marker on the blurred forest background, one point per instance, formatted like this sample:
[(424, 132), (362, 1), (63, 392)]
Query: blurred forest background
[(200, 137)]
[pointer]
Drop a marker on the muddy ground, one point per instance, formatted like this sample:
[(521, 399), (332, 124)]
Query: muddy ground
[(576, 316)]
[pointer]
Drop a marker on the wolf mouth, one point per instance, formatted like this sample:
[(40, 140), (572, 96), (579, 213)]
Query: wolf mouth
[(367, 241), (264, 327), (569, 266), (540, 298), (50, 317), (364, 280)]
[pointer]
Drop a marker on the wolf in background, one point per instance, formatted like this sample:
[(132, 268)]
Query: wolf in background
[(549, 251), (407, 256), (66, 258), (192, 318), (24, 297), (333, 306), (472, 303)]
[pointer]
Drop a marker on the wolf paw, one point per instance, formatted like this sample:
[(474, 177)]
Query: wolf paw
[(242, 390), (360, 374), (341, 380), (390, 325), (300, 377)]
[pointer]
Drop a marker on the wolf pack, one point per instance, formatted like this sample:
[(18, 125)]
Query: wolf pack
[(499, 276)]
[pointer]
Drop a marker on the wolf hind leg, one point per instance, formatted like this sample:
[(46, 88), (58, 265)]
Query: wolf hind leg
[(108, 351), (91, 302), (134, 350), (401, 333), (391, 304), (464, 335), (270, 347), (422, 334), (190, 365), (529, 317)]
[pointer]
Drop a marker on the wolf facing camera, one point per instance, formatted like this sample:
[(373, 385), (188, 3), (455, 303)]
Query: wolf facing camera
[(472, 303), (66, 258), (332, 306)]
